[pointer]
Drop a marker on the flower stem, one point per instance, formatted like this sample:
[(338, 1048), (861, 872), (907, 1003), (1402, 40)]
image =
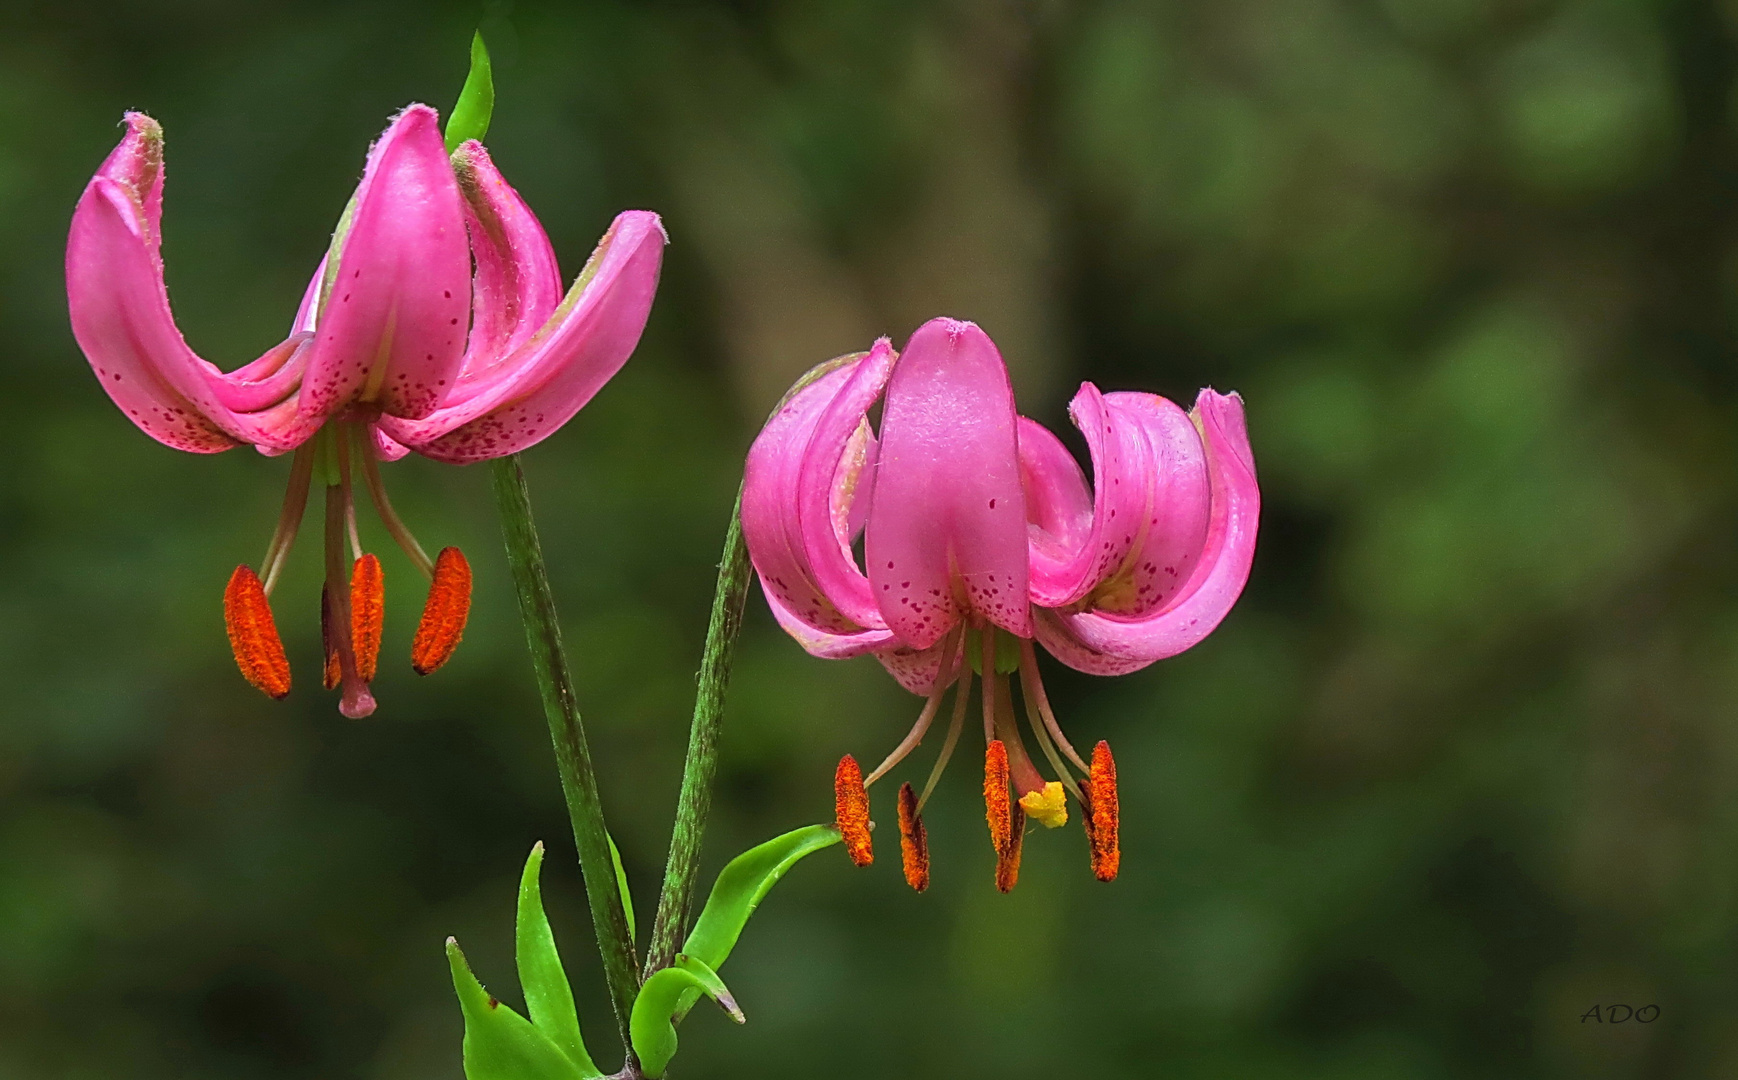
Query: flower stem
[(572, 755), (695, 800)]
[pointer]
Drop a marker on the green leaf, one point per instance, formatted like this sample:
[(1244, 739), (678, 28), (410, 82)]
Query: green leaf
[(499, 1043), (548, 997), (741, 885), (663, 999), (470, 117), (622, 884)]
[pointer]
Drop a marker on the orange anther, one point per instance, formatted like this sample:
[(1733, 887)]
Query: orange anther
[(851, 811), (1008, 862), (1102, 815), (334, 669), (443, 617), (1006, 817), (367, 612), (913, 840), (253, 635)]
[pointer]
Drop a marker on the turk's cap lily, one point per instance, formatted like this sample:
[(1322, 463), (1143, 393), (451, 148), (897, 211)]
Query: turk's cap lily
[(980, 536), (972, 514), (435, 323), (390, 329)]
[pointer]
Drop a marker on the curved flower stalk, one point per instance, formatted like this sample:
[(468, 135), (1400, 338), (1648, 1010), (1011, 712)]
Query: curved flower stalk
[(980, 537), (436, 323)]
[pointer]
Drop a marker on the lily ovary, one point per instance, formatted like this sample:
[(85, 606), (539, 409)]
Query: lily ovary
[(435, 323)]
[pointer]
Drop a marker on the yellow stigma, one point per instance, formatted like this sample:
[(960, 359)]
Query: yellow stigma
[(1048, 807)]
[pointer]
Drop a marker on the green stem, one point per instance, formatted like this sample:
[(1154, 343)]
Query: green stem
[(572, 756), (695, 801)]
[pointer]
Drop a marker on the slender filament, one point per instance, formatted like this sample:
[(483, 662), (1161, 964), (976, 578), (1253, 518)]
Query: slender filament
[(1033, 687), (290, 517), (942, 679), (1036, 723), (962, 695), (388, 517)]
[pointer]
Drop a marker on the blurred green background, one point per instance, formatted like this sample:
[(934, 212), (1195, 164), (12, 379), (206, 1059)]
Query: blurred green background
[(1461, 765)]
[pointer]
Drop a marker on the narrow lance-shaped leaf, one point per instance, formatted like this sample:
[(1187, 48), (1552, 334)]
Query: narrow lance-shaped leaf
[(470, 116), (661, 1003), (622, 884), (741, 886), (499, 1043), (548, 997)]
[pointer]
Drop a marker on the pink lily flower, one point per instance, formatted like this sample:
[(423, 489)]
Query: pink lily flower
[(436, 323), (980, 536)]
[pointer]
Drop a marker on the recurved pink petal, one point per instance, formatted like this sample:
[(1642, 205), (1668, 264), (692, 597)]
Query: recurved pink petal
[(393, 322), (918, 669), (830, 480), (1172, 471), (1058, 508), (822, 643), (120, 313), (581, 346), (772, 512), (517, 283), (1119, 504), (1104, 642), (947, 532)]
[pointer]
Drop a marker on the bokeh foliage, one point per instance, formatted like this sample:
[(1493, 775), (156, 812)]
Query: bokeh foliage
[(1461, 765)]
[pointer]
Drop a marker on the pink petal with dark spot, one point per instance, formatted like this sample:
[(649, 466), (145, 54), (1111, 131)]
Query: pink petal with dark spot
[(947, 533), (392, 329), (1103, 642), (533, 392)]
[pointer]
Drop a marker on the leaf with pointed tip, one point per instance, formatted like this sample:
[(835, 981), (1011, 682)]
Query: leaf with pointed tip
[(662, 1001), (622, 884), (741, 886), (548, 997), (499, 1043), (470, 117)]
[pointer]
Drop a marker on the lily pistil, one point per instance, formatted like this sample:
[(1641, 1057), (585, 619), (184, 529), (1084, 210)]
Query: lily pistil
[(352, 600)]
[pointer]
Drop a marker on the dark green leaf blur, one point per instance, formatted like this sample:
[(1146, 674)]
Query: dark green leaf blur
[(1461, 767)]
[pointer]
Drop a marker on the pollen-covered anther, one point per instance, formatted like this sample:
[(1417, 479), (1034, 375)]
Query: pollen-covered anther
[(1102, 814), (367, 613), (444, 615), (913, 841), (1007, 818), (253, 635), (851, 811), (1048, 806), (1008, 862)]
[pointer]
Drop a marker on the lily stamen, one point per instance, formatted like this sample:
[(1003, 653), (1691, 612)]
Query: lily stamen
[(395, 526), (924, 718), (356, 702), (1033, 687), (1103, 813), (962, 696), (253, 635), (290, 517), (444, 613), (913, 841), (367, 612), (851, 811)]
